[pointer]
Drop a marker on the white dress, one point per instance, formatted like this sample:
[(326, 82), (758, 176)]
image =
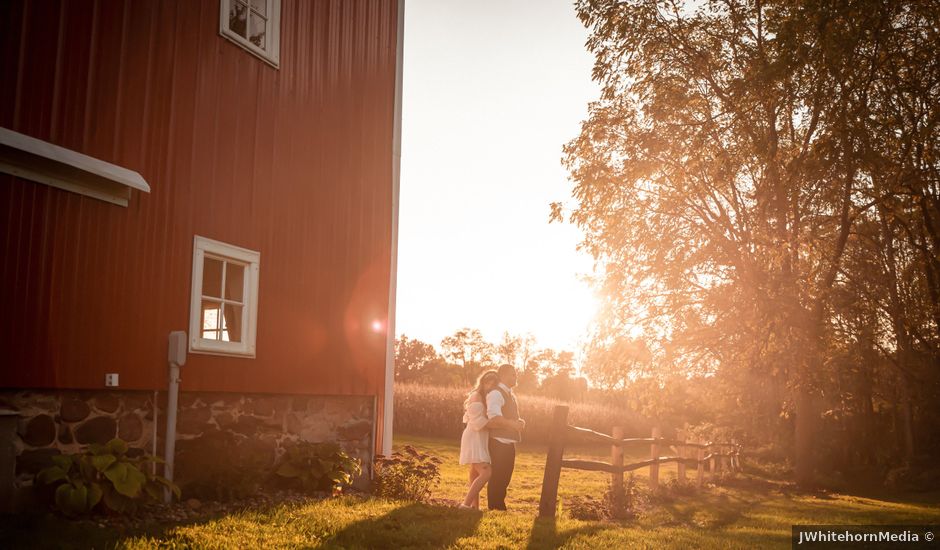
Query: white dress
[(474, 447)]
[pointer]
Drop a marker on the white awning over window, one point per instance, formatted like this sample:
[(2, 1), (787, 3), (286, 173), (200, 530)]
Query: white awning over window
[(33, 159)]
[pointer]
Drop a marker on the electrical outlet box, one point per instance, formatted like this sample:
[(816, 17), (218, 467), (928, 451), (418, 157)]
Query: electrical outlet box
[(111, 380), (177, 351)]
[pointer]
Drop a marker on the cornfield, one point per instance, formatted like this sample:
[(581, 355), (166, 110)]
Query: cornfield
[(438, 412)]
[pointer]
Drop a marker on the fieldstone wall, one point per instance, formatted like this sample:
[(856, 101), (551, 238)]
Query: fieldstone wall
[(250, 429), (51, 423), (256, 429)]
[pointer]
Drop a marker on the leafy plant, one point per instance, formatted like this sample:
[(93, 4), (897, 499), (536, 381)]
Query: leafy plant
[(319, 467), (219, 466), (616, 503), (102, 475), (408, 474)]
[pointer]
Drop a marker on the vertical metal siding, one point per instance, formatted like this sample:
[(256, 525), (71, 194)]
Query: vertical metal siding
[(295, 163)]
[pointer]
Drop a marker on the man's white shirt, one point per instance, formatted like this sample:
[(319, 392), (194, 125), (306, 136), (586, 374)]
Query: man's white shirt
[(494, 406)]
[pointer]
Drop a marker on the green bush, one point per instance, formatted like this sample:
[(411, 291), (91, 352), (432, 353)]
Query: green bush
[(913, 477), (615, 504), (219, 466), (319, 467), (408, 474), (102, 476)]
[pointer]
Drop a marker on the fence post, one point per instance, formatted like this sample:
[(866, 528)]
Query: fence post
[(713, 463), (616, 459), (701, 464), (654, 454), (680, 435), (556, 448)]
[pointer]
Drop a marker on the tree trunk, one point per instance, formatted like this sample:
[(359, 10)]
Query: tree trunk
[(804, 437), (906, 424), (900, 323), (866, 425)]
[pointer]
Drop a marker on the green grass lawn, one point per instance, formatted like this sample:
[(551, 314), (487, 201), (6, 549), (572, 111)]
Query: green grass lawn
[(747, 513)]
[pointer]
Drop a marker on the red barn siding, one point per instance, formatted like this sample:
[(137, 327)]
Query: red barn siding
[(293, 162)]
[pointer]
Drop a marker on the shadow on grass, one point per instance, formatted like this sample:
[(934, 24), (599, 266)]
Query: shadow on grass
[(410, 526), (41, 531), (928, 498), (703, 510), (545, 533)]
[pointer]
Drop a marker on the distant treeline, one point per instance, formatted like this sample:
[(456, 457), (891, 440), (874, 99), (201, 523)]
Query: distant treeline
[(465, 354)]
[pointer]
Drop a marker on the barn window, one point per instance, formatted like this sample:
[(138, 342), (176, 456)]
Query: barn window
[(224, 308), (254, 25)]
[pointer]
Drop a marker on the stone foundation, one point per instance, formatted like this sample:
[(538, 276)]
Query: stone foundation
[(245, 429)]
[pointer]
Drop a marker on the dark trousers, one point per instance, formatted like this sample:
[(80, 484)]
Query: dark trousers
[(503, 456)]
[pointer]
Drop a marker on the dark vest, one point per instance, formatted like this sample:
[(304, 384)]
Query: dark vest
[(510, 412)]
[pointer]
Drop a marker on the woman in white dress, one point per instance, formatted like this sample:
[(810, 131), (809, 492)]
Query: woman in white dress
[(474, 447)]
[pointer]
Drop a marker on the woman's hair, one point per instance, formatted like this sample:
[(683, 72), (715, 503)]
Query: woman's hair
[(478, 389)]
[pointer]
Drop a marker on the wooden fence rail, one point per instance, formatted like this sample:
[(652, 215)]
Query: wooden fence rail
[(602, 438), (722, 455)]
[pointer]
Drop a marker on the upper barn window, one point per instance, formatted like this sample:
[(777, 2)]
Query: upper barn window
[(254, 25)]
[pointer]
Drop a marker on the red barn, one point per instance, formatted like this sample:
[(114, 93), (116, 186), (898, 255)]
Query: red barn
[(228, 168)]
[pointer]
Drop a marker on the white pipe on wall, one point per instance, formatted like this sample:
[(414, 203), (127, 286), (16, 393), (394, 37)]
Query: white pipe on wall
[(176, 356), (156, 420), (172, 399)]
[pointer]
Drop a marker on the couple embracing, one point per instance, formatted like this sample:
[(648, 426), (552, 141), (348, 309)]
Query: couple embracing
[(488, 443)]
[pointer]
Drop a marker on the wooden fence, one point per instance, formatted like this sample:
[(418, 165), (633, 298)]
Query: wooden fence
[(562, 432)]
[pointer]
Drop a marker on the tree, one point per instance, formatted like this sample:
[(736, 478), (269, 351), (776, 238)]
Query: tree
[(720, 175), (411, 355), (614, 364), (527, 369), (549, 362), (468, 349), (509, 349), (439, 372)]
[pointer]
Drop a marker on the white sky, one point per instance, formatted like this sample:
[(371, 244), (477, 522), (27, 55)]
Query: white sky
[(492, 90)]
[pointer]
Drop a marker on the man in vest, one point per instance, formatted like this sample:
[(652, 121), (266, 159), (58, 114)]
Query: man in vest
[(505, 428)]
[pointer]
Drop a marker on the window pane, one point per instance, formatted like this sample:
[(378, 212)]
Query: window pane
[(232, 323), (234, 281), (211, 319), (260, 6), (257, 30), (212, 278), (237, 17)]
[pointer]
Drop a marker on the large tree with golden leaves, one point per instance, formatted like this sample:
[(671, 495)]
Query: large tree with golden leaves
[(720, 175)]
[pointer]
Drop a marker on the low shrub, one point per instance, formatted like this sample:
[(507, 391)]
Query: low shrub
[(679, 488), (914, 478), (768, 452), (408, 474), (102, 476), (319, 467), (767, 469), (220, 467), (617, 503)]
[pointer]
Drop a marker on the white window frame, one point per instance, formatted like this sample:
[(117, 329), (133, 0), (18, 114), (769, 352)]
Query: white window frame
[(271, 53), (202, 248)]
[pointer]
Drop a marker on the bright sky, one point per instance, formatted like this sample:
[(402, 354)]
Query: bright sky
[(492, 90)]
